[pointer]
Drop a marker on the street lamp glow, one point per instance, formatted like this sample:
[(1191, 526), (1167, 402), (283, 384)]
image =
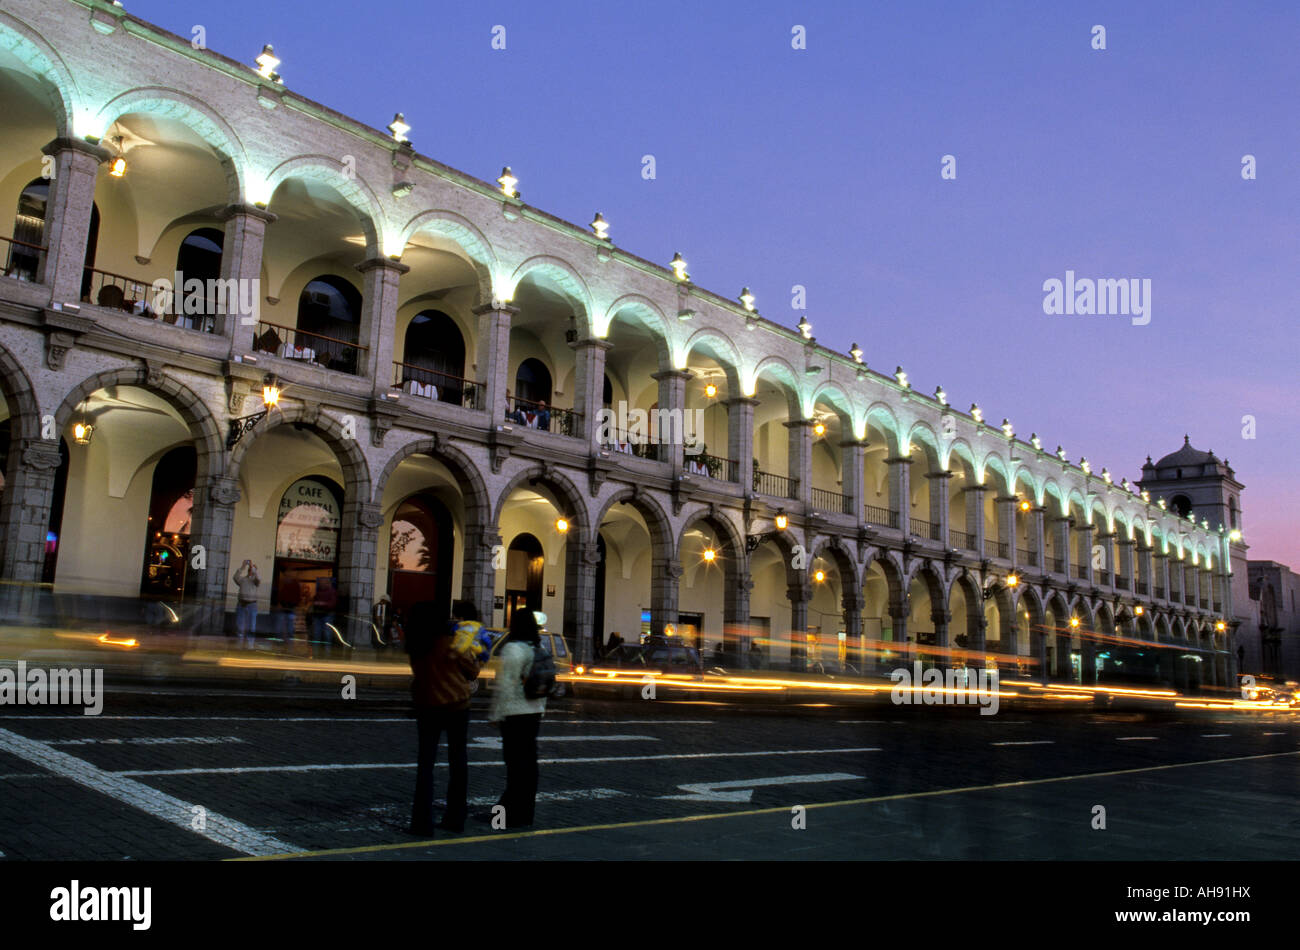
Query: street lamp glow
[(678, 264), (267, 61), (710, 555), (561, 525), (819, 577), (82, 432), (820, 428), (782, 521), (710, 390), (1074, 622), (507, 181), (1013, 580), (398, 127), (271, 392)]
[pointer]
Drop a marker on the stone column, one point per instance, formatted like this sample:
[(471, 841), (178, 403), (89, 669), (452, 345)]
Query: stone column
[(241, 261), (1061, 541), (735, 609), (800, 458), (358, 542), (1037, 536), (212, 526), (68, 213), (589, 391), (799, 594), (900, 490), (740, 438), (1125, 566), (1006, 505), (381, 279), (975, 496), (1143, 569), (665, 589), (580, 560), (1160, 573), (938, 487), (492, 359), (1088, 661), (853, 602), (672, 395), (478, 573), (898, 616), (853, 454), (941, 619), (1085, 552), (25, 506), (978, 633), (1108, 565)]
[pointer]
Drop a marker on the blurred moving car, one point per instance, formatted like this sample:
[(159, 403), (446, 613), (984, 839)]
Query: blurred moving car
[(623, 670), (553, 642)]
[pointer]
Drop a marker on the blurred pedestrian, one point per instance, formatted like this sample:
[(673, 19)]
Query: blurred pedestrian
[(519, 718), (322, 609), (440, 691), (247, 581), (286, 601)]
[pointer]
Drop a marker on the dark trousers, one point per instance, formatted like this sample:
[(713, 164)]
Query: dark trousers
[(431, 722), (519, 748)]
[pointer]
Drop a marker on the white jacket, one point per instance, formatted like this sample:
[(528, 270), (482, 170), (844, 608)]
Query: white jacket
[(508, 697)]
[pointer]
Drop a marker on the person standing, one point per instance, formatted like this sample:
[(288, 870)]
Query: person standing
[(519, 718), (440, 689), (247, 580), (286, 600), (323, 606)]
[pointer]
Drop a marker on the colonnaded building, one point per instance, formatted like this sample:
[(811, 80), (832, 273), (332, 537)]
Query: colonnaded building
[(443, 352)]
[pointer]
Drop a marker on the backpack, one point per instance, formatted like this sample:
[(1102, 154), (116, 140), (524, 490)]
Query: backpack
[(541, 677), (471, 645)]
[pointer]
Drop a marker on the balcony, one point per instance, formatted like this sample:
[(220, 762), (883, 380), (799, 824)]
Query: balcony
[(881, 516), (777, 485), (830, 501), (1103, 578), (538, 415), (22, 260), (290, 343), (925, 529), (1121, 583), (440, 387), (996, 549), (1081, 571), (637, 446), (1058, 565), (1142, 588), (1160, 593), (118, 292), (1027, 557), (711, 466), (1217, 606), (961, 540)]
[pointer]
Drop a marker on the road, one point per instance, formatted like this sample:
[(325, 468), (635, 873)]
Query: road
[(206, 773)]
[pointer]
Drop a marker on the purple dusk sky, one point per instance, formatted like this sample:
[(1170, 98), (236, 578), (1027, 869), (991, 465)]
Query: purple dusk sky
[(821, 167)]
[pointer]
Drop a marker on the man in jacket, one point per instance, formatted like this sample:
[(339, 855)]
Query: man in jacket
[(440, 689), (247, 580)]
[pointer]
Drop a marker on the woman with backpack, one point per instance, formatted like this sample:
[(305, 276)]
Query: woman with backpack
[(519, 718)]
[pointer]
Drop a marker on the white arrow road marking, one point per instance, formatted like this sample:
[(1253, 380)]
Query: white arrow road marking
[(712, 791), (494, 742), (224, 831)]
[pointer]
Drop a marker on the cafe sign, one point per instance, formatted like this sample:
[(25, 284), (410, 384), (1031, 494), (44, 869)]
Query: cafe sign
[(308, 523)]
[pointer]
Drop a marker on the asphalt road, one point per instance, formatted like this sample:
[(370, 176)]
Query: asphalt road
[(203, 774)]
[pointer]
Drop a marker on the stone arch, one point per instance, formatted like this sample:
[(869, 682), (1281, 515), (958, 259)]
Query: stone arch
[(356, 471), (24, 409), (779, 369), (922, 435), (189, 111), (461, 232), (34, 52), (662, 543), (994, 462), (962, 450), (478, 504), (881, 414), (836, 397), (332, 173), (724, 351), (563, 275), (834, 547), (1053, 488), (647, 313), (721, 524), (563, 487)]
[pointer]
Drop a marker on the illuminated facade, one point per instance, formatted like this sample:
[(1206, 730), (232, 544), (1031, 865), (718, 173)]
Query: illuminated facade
[(443, 353)]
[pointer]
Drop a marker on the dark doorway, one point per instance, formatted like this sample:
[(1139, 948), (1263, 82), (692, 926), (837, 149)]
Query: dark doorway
[(92, 244), (598, 614), (167, 533), (55, 527), (524, 569), (420, 555), (433, 353)]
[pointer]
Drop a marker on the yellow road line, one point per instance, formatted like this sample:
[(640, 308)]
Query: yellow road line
[(781, 809)]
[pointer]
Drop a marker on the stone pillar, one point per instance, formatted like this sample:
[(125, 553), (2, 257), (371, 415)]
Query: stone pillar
[(492, 360), (898, 615), (941, 619), (853, 602), (800, 433), (900, 490), (975, 496), (1061, 541), (1006, 505), (1037, 536), (735, 609), (381, 280), (67, 215), (25, 505), (1108, 565), (358, 542), (799, 594), (1125, 566), (1085, 552), (672, 395), (853, 456), (740, 438), (580, 560), (478, 573), (241, 261), (665, 589), (938, 486), (589, 392), (212, 526), (1160, 573), (978, 634), (1088, 662)]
